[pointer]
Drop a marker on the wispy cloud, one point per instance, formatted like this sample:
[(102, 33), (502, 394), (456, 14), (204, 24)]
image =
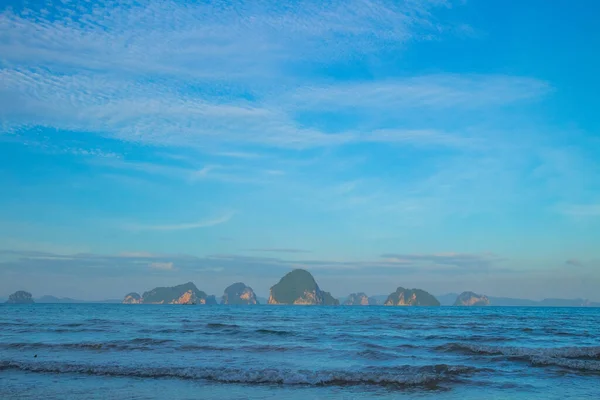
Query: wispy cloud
[(581, 210), (574, 262), (163, 266), (201, 173), (429, 91), (181, 226), (278, 250), (154, 115), (168, 37), (238, 154), (259, 265), (138, 254), (115, 48), (190, 173), (461, 260)]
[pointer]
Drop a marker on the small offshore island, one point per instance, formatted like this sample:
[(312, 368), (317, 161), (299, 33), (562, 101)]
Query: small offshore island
[(20, 297)]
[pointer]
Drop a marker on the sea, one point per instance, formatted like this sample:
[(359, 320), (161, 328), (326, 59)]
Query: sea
[(113, 351)]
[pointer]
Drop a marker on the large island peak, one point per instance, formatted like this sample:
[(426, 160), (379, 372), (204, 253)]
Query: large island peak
[(299, 287), (411, 297), (186, 293), (239, 293)]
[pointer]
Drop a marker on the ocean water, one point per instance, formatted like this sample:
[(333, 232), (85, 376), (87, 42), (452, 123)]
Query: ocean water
[(74, 351)]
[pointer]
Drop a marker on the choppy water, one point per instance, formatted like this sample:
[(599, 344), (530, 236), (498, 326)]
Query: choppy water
[(129, 351)]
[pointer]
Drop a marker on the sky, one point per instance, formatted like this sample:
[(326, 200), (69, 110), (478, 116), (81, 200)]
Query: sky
[(444, 145)]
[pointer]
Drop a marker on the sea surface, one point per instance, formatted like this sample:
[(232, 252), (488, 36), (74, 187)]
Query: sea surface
[(97, 351)]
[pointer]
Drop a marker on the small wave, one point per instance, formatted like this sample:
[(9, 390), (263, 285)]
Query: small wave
[(561, 332), (377, 355), (19, 324), (103, 321), (79, 330), (471, 338), (217, 325), (50, 346), (565, 352), (199, 347), (274, 332), (253, 348), (73, 325), (407, 346), (150, 341), (375, 346), (167, 330), (407, 376), (577, 358), (272, 348), (568, 363), (134, 344)]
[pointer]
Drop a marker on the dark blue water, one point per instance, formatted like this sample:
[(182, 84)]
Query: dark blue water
[(189, 352)]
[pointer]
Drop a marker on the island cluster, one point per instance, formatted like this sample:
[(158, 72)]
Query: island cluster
[(298, 287)]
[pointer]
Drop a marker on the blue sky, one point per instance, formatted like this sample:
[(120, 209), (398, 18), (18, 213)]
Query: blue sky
[(446, 145)]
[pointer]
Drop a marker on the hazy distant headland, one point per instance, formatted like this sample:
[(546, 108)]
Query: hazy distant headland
[(299, 287), (20, 297)]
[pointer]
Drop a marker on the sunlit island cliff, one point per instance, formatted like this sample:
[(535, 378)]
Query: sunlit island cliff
[(187, 293), (466, 299), (239, 293), (411, 297), (299, 287), (360, 299)]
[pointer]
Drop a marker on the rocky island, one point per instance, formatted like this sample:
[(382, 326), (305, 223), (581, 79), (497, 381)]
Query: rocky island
[(187, 293), (132, 298), (411, 297), (470, 299), (359, 299), (239, 293), (299, 287), (20, 297)]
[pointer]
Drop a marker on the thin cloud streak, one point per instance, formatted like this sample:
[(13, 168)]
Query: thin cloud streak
[(204, 171), (429, 91), (461, 260), (183, 226), (163, 266), (279, 250), (581, 210), (235, 263)]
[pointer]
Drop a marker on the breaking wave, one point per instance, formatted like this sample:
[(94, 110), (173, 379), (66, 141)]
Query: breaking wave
[(576, 358), (406, 376)]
